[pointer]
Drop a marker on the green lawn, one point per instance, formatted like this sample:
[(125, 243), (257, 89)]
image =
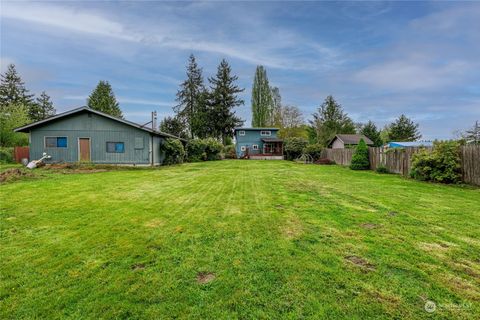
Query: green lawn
[(238, 239)]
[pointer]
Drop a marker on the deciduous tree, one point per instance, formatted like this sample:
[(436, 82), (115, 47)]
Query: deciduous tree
[(262, 100)]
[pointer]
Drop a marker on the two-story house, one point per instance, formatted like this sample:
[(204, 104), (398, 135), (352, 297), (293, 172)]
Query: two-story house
[(258, 143)]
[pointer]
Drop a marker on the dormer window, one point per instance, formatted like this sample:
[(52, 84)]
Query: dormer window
[(264, 133)]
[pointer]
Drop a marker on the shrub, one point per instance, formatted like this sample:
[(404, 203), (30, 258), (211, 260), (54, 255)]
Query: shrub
[(294, 147), (230, 152), (204, 149), (382, 169), (442, 164), (196, 150), (6, 155), (360, 157), (213, 149), (174, 151), (314, 150)]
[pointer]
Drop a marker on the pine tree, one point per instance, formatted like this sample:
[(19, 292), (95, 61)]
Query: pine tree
[(473, 135), (223, 100), (403, 129), (360, 159), (12, 89), (191, 99), (370, 131), (103, 99), (42, 108), (174, 126), (330, 120), (262, 100)]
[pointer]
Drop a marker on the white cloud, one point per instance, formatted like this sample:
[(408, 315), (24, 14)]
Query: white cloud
[(126, 100), (270, 50)]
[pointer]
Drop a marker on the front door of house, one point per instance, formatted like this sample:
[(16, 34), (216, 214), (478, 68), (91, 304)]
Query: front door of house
[(84, 149)]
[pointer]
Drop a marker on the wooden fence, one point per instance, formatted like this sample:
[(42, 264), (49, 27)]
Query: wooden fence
[(399, 161), (471, 164), (340, 156)]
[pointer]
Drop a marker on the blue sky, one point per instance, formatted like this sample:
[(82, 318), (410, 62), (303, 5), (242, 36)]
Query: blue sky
[(378, 59)]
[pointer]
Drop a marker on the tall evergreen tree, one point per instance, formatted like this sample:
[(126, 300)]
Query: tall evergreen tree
[(370, 131), (403, 129), (103, 99), (12, 89), (262, 100), (330, 120), (191, 99), (174, 126), (223, 100), (42, 108), (473, 135)]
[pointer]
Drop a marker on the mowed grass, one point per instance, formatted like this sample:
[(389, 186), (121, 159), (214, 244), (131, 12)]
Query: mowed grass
[(238, 239)]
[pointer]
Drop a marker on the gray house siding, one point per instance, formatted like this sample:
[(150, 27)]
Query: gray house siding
[(251, 137), (100, 130)]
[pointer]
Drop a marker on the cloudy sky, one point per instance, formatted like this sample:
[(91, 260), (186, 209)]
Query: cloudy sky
[(377, 59)]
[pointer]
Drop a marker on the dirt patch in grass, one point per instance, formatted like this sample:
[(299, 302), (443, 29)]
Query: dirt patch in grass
[(360, 262), (369, 226), (138, 266), (293, 228), (14, 174), (205, 277), (155, 223)]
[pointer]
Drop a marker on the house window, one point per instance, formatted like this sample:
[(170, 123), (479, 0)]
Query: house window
[(55, 142), (115, 147), (241, 132), (243, 148), (265, 133), (255, 146)]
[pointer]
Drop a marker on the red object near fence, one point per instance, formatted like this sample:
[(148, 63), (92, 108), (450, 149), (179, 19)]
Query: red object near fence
[(21, 152)]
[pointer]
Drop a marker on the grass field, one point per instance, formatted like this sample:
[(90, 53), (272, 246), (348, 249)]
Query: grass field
[(238, 239)]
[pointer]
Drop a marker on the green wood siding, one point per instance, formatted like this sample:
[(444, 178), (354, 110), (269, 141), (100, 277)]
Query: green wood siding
[(100, 130)]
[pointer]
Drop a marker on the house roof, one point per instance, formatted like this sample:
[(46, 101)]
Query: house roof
[(256, 129), (27, 127), (272, 140), (351, 139)]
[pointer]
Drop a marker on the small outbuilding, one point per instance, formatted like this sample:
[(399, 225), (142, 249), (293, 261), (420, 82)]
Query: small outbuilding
[(342, 141), (88, 135)]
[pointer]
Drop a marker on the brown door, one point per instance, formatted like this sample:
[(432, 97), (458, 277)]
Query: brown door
[(84, 149)]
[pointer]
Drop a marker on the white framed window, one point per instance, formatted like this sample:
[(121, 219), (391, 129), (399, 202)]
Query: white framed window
[(254, 146), (265, 133), (241, 132), (243, 148)]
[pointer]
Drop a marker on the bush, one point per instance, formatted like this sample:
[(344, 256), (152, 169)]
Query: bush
[(174, 151), (213, 149), (314, 150), (196, 150), (203, 150), (230, 152), (294, 147), (442, 164), (382, 169), (6, 155), (360, 157)]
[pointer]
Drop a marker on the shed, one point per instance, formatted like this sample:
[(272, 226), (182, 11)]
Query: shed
[(88, 135), (342, 141)]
